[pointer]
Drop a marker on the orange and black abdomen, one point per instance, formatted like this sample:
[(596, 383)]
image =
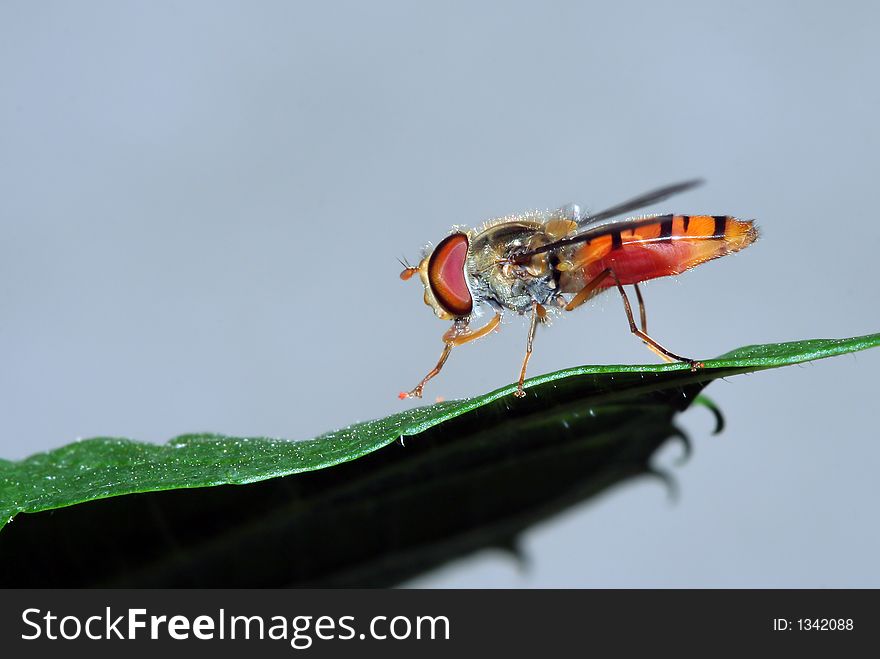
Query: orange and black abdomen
[(662, 246)]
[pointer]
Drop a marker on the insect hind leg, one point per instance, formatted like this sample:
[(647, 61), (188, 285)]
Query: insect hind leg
[(643, 317), (642, 333)]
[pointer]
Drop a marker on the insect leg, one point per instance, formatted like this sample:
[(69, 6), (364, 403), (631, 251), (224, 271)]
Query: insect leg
[(642, 315), (644, 336), (537, 312), (457, 335), (417, 391), (587, 291), (644, 318)]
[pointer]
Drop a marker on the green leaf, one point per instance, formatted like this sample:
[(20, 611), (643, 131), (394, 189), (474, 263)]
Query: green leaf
[(477, 474), (109, 467)]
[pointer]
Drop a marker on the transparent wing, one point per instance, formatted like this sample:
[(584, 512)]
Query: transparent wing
[(634, 204), (597, 224), (570, 212)]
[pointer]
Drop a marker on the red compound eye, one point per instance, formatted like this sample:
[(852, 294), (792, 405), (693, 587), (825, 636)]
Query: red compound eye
[(446, 275)]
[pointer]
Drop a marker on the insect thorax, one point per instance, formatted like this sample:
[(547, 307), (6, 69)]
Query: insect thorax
[(495, 280)]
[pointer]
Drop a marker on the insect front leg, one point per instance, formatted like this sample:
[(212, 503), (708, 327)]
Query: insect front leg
[(457, 335), (643, 335), (538, 313)]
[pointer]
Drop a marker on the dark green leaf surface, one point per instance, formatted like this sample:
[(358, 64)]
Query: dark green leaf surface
[(107, 467)]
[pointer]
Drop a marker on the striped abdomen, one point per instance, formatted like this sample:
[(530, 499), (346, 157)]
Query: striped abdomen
[(664, 245)]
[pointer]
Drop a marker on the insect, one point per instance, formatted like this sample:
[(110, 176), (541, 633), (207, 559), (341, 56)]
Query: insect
[(545, 262)]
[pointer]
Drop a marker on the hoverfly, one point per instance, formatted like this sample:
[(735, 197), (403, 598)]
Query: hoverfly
[(553, 261)]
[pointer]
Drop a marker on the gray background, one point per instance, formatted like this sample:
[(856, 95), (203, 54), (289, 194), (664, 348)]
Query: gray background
[(202, 204)]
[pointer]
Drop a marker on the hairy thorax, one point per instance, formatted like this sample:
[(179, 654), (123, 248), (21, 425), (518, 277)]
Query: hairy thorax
[(503, 283)]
